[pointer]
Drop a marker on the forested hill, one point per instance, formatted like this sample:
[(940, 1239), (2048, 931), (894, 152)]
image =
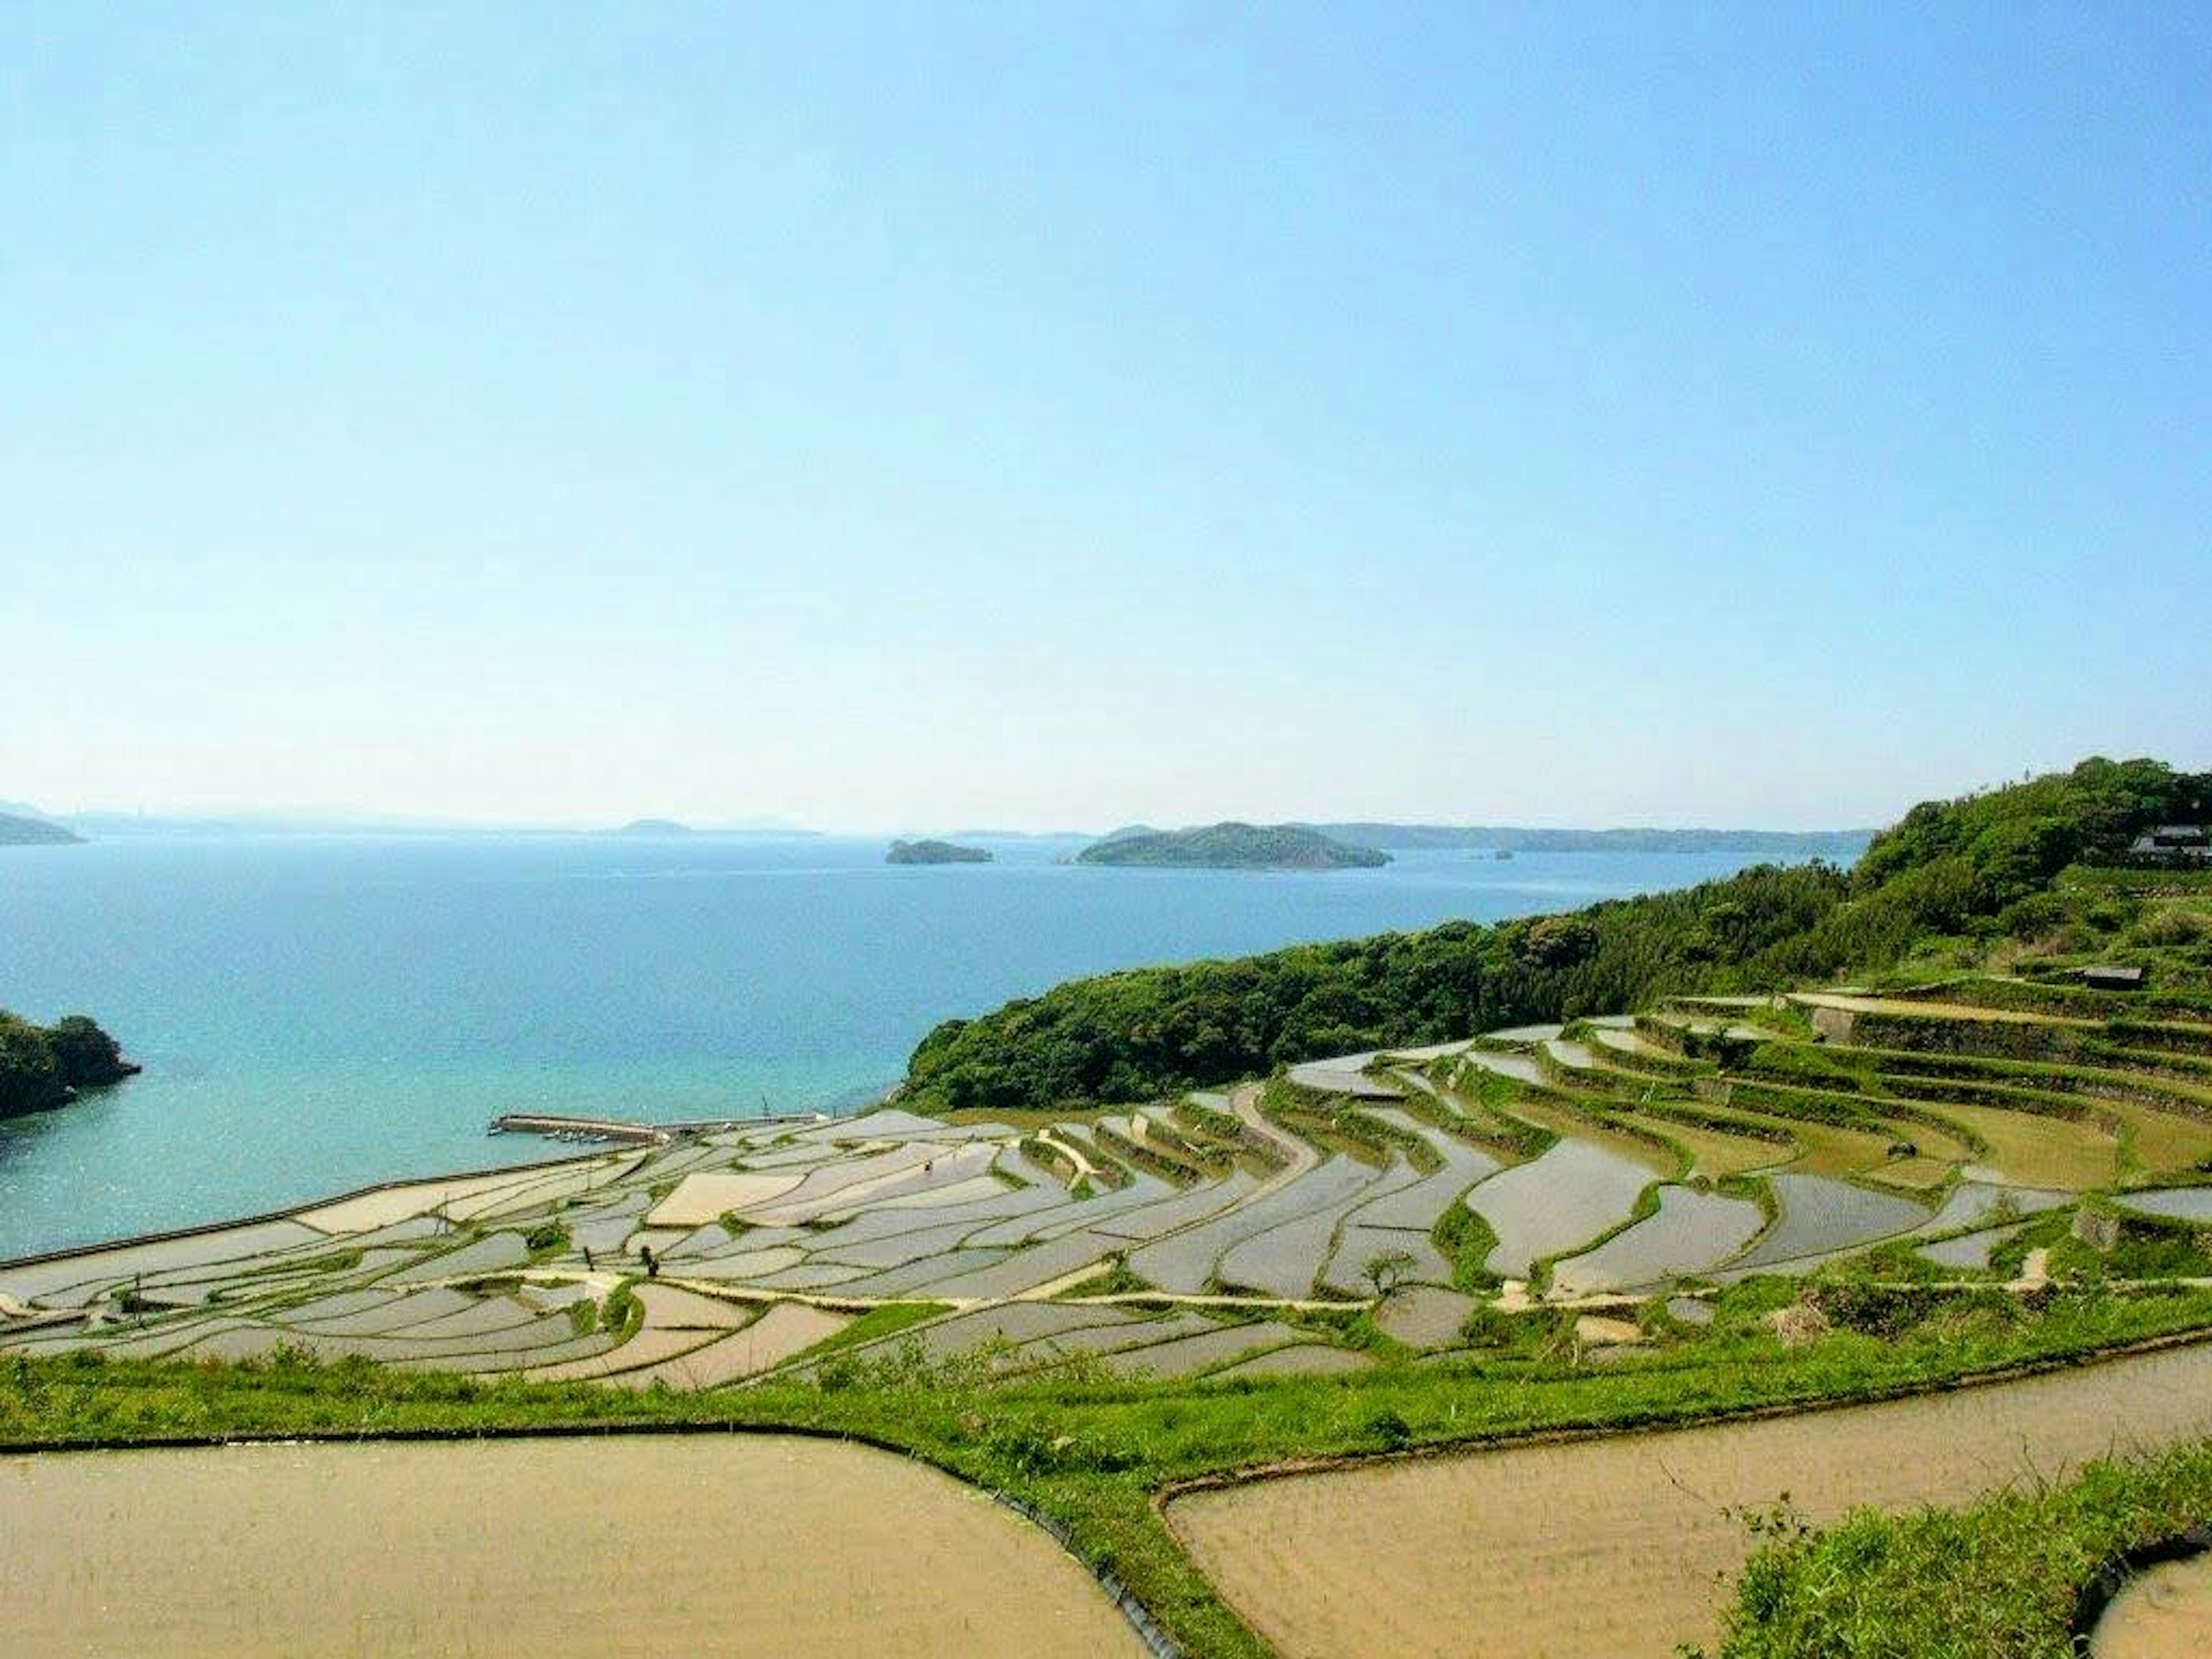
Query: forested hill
[(1951, 882), (42, 1066)]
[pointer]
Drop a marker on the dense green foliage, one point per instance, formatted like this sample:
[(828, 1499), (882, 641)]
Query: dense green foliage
[(1233, 847), (935, 852), (1995, 1581), (1978, 870), (41, 1066), (15, 831)]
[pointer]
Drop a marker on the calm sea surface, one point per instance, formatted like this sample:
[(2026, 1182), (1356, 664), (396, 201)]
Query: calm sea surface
[(318, 1014)]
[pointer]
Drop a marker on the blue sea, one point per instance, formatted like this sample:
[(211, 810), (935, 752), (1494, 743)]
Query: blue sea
[(317, 1013)]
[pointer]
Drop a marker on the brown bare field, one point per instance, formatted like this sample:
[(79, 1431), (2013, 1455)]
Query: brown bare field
[(1622, 1546), (632, 1547)]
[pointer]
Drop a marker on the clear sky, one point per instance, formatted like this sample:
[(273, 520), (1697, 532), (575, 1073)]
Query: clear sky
[(905, 416)]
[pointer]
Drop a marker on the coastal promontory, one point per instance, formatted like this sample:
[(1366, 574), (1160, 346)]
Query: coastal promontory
[(1233, 847), (43, 1066), (935, 852)]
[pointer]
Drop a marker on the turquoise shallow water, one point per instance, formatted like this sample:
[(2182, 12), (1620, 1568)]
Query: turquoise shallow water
[(318, 1014)]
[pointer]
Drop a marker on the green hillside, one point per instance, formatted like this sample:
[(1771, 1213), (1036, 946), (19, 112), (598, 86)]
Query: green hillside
[(2031, 877)]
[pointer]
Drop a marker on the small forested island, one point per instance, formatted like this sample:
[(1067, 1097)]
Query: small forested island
[(42, 1066), (1232, 846), (18, 831), (935, 852), (652, 827)]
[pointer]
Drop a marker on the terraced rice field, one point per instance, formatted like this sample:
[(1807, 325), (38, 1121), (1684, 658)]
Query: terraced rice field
[(636, 1548), (1554, 1136), (1619, 1546), (2182, 1203), (1691, 1233), (1568, 1196), (1823, 1217)]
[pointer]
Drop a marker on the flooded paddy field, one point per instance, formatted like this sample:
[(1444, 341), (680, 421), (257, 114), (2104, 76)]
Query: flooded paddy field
[(633, 1546), (1567, 1197), (1619, 1546), (1692, 1232)]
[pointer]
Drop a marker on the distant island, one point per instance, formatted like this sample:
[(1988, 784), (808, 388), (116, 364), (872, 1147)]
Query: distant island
[(43, 1066), (1232, 846), (35, 832), (935, 852), (653, 827)]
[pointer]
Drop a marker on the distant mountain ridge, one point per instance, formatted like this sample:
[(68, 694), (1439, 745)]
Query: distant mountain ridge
[(1232, 846), (17, 831), (1843, 844)]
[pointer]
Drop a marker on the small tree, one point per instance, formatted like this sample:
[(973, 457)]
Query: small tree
[(1387, 1269)]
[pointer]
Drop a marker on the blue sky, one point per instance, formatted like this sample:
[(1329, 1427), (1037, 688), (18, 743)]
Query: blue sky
[(896, 415)]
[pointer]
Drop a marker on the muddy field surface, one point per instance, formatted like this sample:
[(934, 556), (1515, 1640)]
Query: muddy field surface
[(736, 1545), (1621, 1549)]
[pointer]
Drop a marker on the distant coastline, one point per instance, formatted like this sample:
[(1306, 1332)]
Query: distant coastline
[(18, 831)]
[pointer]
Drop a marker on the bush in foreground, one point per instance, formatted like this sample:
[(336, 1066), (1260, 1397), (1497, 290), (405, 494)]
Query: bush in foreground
[(1997, 1581)]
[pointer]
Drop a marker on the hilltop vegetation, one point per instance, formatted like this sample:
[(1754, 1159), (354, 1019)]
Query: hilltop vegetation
[(43, 1066), (1233, 847), (2008, 875), (18, 831)]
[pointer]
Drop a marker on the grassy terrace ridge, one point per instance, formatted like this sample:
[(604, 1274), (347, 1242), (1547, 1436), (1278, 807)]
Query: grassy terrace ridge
[(1233, 847)]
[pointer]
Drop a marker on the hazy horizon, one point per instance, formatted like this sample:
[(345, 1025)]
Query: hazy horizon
[(1720, 416), (268, 815)]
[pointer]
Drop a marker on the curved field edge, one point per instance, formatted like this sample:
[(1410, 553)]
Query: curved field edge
[(519, 1535), (1097, 1463), (2004, 1578)]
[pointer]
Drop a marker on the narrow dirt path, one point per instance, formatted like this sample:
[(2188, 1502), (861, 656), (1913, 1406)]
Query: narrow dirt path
[(1620, 1548)]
